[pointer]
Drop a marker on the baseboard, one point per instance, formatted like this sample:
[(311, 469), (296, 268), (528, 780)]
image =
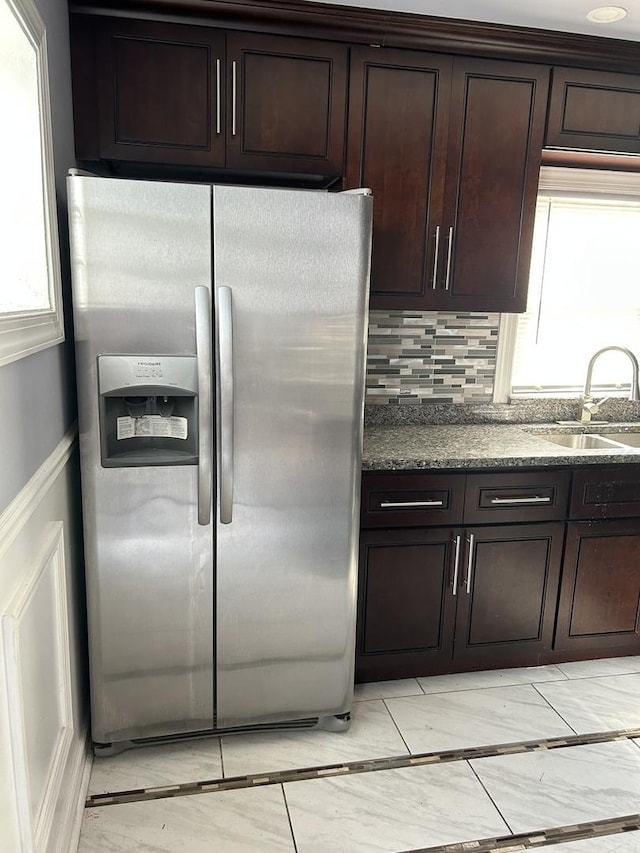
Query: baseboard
[(71, 813)]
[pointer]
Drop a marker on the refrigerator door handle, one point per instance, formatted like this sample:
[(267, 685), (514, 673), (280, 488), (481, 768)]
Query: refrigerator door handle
[(225, 343), (203, 355)]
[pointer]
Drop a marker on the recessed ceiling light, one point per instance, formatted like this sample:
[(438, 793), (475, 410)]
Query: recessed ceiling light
[(607, 14)]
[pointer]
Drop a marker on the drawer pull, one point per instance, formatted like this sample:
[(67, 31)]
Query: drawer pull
[(531, 499), (387, 504)]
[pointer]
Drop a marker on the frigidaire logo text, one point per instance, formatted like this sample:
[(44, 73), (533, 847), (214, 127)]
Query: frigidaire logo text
[(148, 363)]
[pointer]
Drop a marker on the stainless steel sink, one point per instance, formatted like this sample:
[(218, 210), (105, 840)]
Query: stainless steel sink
[(580, 441), (611, 441), (629, 439)]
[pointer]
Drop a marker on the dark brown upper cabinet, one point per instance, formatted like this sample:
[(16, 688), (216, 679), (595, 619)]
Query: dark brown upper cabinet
[(496, 132), (197, 96), (286, 105), (148, 92), (594, 110), (398, 119), (451, 149)]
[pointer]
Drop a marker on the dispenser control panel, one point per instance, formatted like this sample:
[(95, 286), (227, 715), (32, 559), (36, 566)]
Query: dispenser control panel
[(118, 373)]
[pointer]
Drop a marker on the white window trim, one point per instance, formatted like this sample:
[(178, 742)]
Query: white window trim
[(507, 329), (557, 180), (24, 333)]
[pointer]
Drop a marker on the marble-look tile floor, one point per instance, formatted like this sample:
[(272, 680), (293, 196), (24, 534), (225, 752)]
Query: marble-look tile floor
[(382, 787)]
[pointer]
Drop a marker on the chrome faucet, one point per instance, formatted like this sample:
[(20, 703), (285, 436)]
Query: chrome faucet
[(589, 407)]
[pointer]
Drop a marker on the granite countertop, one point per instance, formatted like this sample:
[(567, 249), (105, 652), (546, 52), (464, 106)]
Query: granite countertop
[(407, 446)]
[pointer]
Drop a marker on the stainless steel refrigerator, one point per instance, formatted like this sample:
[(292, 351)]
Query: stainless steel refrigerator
[(220, 344)]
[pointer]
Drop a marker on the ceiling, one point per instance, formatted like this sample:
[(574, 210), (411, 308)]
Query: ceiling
[(562, 15)]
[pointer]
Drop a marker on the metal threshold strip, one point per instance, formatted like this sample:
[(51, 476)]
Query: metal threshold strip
[(366, 766), (543, 839)]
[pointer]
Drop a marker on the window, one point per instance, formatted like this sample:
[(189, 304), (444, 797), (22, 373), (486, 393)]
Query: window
[(30, 292), (584, 288)]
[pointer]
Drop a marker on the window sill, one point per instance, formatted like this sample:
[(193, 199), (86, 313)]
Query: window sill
[(21, 336)]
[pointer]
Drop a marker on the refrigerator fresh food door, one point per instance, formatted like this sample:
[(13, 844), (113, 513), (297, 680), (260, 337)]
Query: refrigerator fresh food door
[(291, 276), (140, 250)]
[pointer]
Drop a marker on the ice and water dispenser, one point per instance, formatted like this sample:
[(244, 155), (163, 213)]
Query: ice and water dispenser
[(148, 410)]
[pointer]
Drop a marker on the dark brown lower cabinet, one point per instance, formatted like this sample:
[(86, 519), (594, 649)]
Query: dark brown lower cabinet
[(508, 593), (406, 609), (432, 601), (599, 606)]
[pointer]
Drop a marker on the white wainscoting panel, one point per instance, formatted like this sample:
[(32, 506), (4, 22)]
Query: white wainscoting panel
[(43, 717), (37, 665)]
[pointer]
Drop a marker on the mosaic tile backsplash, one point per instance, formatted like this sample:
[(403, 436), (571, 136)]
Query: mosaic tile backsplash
[(428, 357)]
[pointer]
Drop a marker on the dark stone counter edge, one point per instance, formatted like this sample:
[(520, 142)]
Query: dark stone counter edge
[(452, 463)]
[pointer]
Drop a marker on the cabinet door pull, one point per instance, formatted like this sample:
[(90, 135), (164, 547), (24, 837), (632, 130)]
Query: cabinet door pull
[(234, 95), (387, 504), (436, 250), (529, 499), (467, 582), (218, 113), (447, 279), (456, 566)]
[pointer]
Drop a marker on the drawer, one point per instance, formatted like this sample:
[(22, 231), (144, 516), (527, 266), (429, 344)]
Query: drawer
[(408, 499), (517, 496), (606, 492)]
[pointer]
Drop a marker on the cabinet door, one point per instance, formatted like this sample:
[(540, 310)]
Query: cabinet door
[(405, 605), (594, 111), (398, 107), (599, 605), (495, 148), (286, 104), (507, 594), (158, 93)]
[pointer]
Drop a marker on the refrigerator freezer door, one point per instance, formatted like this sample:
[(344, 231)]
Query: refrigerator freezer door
[(139, 250), (296, 266)]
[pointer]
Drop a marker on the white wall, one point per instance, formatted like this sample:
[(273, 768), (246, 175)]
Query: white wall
[(43, 716)]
